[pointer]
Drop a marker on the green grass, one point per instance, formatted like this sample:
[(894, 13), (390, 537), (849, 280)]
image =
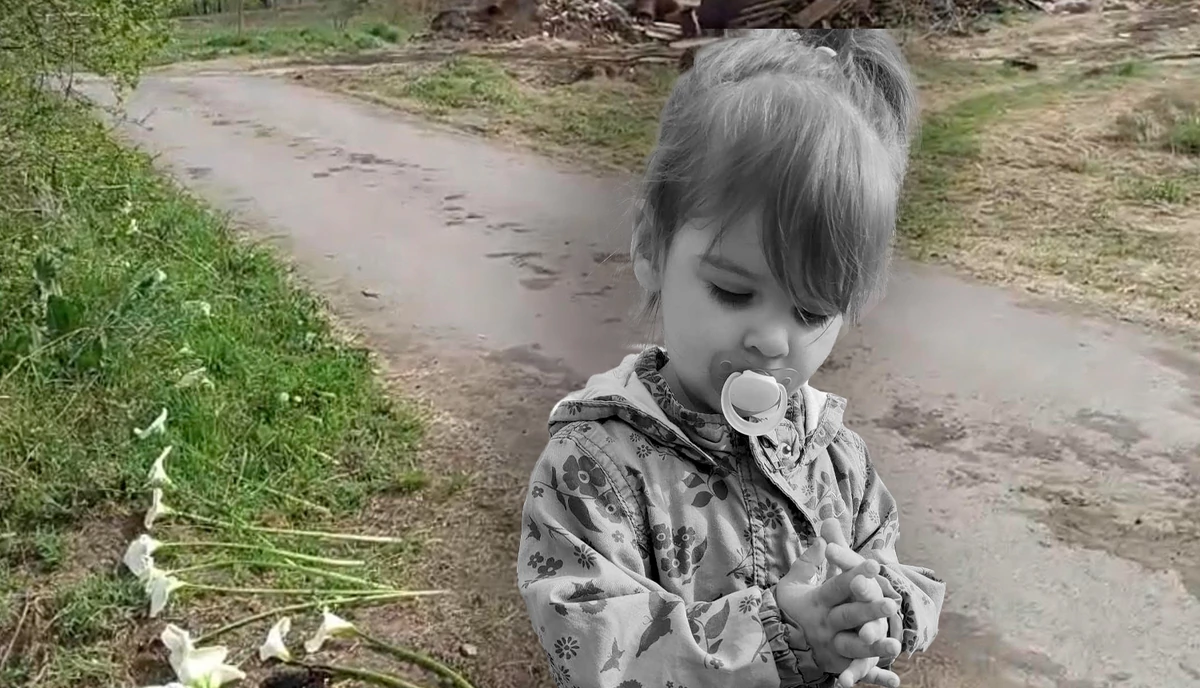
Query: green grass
[(468, 83), (1169, 191), (203, 41), (103, 273), (605, 121)]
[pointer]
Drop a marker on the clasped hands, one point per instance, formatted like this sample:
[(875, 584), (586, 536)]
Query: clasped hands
[(851, 621)]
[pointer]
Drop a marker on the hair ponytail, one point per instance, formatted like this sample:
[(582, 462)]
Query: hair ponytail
[(879, 81)]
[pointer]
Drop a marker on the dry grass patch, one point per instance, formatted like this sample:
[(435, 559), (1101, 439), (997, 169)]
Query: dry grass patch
[(1090, 197)]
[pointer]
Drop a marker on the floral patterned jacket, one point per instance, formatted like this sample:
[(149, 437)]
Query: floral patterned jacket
[(653, 536)]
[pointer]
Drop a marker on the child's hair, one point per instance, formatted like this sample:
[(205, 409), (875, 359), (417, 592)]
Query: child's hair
[(816, 143)]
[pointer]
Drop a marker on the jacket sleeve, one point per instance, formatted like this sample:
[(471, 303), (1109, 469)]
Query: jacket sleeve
[(876, 530), (587, 572)]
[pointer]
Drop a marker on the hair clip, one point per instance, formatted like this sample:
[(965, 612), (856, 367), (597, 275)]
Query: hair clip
[(827, 50)]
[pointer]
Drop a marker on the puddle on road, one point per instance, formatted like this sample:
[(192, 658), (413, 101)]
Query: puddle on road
[(1158, 539), (923, 429)]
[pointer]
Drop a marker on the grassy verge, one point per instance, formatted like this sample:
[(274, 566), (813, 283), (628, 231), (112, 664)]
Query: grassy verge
[(605, 121), (957, 209), (1077, 188), (121, 296), (304, 35)]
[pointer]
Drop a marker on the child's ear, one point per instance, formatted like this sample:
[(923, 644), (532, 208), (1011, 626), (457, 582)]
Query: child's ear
[(647, 273), (644, 270)]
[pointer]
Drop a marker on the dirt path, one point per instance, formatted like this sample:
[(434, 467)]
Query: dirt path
[(1047, 466)]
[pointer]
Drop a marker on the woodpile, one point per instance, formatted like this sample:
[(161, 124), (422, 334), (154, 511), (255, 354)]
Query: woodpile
[(689, 23)]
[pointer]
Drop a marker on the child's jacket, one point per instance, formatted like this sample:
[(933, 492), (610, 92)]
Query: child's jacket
[(653, 536)]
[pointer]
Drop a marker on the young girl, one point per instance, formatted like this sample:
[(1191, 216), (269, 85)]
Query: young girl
[(678, 490)]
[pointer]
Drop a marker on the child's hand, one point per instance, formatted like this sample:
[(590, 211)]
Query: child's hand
[(867, 670), (827, 616)]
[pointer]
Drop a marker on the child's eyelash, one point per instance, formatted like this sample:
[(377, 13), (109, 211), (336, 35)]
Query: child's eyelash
[(729, 298), (810, 319), (732, 298)]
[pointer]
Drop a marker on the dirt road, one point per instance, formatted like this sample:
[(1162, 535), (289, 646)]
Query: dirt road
[(1047, 465)]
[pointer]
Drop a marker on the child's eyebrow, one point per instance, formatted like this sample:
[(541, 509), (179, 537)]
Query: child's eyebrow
[(720, 263)]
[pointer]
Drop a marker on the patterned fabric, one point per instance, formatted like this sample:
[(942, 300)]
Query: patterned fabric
[(654, 536)]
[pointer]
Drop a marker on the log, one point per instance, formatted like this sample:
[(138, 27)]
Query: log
[(819, 10)]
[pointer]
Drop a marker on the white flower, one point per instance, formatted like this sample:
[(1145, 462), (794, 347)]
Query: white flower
[(198, 376), (274, 647), (133, 225), (205, 667), (158, 473), (332, 626), (157, 508), (158, 426), (128, 207), (137, 556), (159, 276), (159, 586), (197, 667), (178, 642)]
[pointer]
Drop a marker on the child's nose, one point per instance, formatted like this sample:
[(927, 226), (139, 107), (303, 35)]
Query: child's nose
[(769, 340)]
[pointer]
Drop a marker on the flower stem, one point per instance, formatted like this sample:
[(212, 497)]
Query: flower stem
[(414, 657), (380, 587), (267, 550), (206, 567), (278, 591), (286, 565), (304, 606), (360, 674), (354, 537)]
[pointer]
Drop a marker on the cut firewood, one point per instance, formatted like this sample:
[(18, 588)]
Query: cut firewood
[(819, 11)]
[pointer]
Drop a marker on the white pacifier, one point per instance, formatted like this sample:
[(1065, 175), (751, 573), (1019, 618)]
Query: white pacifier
[(753, 401)]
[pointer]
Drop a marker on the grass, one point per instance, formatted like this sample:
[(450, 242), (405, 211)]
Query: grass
[(277, 34), (1107, 221), (1167, 121), (610, 122), (103, 279), (211, 43), (1168, 191)]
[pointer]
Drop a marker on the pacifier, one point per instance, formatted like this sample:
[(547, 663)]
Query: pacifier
[(753, 400)]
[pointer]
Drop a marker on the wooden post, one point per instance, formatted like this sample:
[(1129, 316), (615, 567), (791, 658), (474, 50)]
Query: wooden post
[(241, 16)]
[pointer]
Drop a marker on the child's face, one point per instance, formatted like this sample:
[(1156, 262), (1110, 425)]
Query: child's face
[(727, 301)]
